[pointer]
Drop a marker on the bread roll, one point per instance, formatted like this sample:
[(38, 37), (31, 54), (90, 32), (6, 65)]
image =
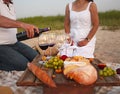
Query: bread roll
[(81, 70), (69, 68), (85, 75)]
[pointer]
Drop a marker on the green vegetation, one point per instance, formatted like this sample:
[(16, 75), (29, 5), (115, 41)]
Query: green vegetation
[(108, 20), (55, 22)]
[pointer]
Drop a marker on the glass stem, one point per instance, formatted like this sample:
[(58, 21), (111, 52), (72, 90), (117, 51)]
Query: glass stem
[(50, 51), (43, 55)]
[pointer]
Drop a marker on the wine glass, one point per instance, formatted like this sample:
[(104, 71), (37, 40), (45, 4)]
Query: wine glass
[(42, 42), (68, 39), (60, 38), (68, 42), (51, 41)]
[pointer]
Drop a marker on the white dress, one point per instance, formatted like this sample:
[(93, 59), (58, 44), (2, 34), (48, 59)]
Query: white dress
[(79, 29)]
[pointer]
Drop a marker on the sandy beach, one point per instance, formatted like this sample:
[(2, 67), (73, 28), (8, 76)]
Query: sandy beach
[(108, 46)]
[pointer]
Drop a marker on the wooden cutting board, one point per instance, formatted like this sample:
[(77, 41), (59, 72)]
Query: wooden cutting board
[(28, 79)]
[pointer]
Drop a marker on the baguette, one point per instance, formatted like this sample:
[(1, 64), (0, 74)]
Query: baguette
[(41, 75)]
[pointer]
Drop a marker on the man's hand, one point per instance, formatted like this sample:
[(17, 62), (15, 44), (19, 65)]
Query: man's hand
[(30, 29), (10, 23)]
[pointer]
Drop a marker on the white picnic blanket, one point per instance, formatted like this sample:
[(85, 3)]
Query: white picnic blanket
[(10, 79)]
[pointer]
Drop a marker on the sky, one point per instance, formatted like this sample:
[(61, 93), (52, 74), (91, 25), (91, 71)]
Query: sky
[(30, 8)]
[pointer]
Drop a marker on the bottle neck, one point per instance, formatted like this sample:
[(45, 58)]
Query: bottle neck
[(7, 2)]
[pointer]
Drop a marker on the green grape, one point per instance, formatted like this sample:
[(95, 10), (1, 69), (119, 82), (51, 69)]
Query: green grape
[(55, 67), (56, 63), (55, 60), (109, 68), (101, 73), (61, 61), (104, 74), (110, 74), (50, 66), (114, 72), (46, 65), (59, 67), (50, 61), (105, 69)]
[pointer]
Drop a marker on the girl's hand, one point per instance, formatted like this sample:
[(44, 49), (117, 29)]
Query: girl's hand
[(69, 40), (82, 43)]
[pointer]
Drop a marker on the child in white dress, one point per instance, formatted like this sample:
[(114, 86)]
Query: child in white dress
[(81, 22)]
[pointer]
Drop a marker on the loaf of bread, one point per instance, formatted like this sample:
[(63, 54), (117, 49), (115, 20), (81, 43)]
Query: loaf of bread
[(84, 73), (41, 75)]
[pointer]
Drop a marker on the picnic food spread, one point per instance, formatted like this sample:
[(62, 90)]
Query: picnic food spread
[(80, 64), (56, 63), (79, 69), (76, 68)]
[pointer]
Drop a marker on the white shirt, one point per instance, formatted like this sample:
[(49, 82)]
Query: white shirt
[(7, 35)]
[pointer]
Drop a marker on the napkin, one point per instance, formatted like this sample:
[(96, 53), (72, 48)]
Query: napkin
[(67, 49)]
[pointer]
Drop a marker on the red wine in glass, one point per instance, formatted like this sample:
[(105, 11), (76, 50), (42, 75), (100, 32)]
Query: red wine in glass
[(44, 46), (51, 44)]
